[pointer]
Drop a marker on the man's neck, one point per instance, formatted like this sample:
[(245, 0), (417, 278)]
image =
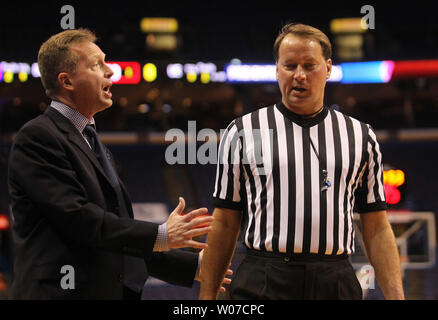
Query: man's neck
[(73, 105), (311, 115), (303, 113)]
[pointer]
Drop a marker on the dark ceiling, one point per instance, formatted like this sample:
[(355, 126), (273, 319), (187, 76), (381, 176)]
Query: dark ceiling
[(216, 30)]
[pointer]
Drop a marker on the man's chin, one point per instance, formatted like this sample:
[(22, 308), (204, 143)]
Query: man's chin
[(299, 105), (105, 105), (300, 102), (298, 99), (109, 103)]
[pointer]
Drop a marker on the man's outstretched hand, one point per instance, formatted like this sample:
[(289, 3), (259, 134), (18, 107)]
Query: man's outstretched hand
[(182, 228)]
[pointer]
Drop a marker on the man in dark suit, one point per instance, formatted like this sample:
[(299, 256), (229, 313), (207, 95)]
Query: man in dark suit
[(71, 211)]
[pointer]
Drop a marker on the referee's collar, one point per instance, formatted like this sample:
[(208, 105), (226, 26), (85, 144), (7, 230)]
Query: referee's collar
[(299, 120)]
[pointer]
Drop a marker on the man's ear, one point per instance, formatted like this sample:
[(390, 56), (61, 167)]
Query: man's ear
[(65, 81), (329, 67)]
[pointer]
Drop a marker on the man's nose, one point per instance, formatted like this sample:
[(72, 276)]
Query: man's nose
[(108, 71), (300, 73)]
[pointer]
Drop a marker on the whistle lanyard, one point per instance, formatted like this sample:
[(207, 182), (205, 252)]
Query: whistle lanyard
[(324, 173)]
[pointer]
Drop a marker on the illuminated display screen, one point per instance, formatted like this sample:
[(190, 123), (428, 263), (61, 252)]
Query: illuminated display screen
[(392, 179), (266, 73), (128, 72), (4, 222), (132, 72), (251, 73), (367, 72), (419, 68), (156, 24), (149, 72), (9, 69)]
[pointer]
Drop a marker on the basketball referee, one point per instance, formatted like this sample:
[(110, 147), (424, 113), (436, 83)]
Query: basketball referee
[(289, 178)]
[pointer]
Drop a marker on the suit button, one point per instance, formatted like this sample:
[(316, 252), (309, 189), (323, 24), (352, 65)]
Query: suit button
[(120, 278)]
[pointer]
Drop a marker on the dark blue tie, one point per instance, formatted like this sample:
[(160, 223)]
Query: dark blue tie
[(103, 157), (135, 270)]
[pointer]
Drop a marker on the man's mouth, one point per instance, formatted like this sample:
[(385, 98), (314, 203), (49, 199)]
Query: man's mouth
[(107, 91), (299, 89)]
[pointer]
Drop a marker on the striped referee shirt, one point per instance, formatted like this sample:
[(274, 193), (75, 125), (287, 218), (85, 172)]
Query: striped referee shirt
[(271, 167)]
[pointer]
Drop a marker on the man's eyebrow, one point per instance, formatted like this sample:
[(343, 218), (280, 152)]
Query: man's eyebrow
[(99, 55), (309, 58)]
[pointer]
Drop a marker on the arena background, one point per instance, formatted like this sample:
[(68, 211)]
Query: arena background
[(403, 110)]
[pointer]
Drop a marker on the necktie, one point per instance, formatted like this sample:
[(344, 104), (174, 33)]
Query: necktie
[(135, 271)]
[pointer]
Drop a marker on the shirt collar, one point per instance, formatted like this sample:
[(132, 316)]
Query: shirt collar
[(77, 118), (299, 120)]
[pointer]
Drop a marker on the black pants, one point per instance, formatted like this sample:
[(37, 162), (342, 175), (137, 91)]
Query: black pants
[(294, 277)]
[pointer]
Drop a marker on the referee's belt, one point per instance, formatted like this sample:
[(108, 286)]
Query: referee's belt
[(305, 257)]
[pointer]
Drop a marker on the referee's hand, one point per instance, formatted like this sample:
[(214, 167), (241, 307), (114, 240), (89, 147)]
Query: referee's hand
[(182, 228), (225, 280)]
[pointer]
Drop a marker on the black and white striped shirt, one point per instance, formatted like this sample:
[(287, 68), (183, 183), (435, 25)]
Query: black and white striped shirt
[(268, 169)]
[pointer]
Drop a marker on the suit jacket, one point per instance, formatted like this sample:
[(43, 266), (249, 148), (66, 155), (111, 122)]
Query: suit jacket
[(66, 213)]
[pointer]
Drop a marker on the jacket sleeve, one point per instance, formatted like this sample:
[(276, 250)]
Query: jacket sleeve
[(45, 186), (177, 267)]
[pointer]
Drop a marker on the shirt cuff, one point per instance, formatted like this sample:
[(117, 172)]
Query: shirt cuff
[(161, 243), (371, 207), (227, 204)]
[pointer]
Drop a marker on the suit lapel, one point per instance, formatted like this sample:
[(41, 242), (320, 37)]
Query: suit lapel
[(76, 138)]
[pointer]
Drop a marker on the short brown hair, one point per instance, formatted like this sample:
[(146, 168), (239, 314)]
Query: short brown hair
[(305, 31), (55, 56)]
